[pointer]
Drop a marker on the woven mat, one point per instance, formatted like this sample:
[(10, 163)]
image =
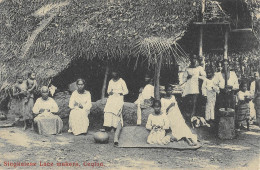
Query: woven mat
[(136, 136)]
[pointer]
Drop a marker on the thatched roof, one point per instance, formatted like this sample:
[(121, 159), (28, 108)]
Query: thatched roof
[(46, 35)]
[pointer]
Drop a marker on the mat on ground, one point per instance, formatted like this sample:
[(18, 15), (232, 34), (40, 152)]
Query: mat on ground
[(136, 137)]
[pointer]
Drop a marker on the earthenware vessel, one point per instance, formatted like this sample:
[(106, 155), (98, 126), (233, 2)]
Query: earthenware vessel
[(101, 136)]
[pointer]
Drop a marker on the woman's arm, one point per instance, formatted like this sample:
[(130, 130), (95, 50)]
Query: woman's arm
[(54, 107), (72, 101), (235, 83), (124, 87), (202, 73), (204, 88), (169, 107), (36, 107), (173, 103), (166, 123), (109, 88), (88, 103), (149, 123), (185, 76)]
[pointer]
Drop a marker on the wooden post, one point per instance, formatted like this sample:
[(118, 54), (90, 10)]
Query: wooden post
[(203, 4), (200, 41), (201, 29), (226, 56), (226, 52), (104, 83), (157, 78)]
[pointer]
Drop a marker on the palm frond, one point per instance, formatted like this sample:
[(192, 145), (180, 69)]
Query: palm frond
[(153, 47)]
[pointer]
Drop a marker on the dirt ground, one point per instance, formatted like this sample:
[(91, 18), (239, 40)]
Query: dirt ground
[(17, 145)]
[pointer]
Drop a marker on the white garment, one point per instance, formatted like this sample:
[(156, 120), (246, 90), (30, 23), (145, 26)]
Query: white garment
[(147, 93), (78, 119), (192, 84), (48, 104), (241, 95), (209, 89), (115, 103), (252, 88), (166, 103), (157, 135), (118, 86), (219, 80), (177, 123), (47, 122), (251, 103)]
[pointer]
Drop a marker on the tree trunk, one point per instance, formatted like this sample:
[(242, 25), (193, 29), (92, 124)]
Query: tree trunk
[(104, 83), (157, 78)]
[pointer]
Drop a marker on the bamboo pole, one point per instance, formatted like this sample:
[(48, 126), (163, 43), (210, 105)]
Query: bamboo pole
[(104, 84), (157, 78)]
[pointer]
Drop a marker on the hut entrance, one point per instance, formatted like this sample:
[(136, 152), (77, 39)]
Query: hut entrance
[(94, 72)]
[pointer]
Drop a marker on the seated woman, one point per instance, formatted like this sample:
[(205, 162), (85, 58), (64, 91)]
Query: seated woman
[(157, 123), (80, 104), (46, 121), (145, 98), (177, 123)]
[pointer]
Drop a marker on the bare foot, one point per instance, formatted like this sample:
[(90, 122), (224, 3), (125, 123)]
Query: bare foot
[(190, 142)]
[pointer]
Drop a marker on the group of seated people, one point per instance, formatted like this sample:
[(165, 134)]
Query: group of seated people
[(41, 115), (164, 115)]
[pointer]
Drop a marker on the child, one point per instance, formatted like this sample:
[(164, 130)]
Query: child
[(31, 83), (31, 87), (19, 97), (209, 90), (243, 111), (157, 123)]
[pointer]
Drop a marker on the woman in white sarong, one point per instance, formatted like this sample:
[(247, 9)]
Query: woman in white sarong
[(80, 104), (145, 99), (191, 88), (113, 110), (46, 121), (177, 123)]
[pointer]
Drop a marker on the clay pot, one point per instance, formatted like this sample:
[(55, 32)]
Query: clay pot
[(101, 136)]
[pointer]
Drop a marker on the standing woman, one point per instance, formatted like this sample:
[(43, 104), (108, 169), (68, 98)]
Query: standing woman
[(113, 110), (191, 89), (80, 104), (19, 99)]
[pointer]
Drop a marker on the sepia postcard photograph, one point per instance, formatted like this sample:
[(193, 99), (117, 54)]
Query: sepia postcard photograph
[(130, 84)]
